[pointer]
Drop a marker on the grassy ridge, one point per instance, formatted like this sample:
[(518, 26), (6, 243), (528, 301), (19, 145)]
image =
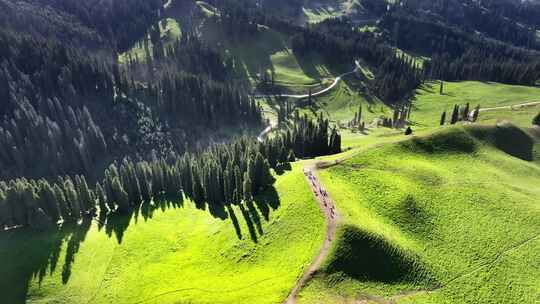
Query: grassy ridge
[(429, 104), (454, 205), (182, 254)]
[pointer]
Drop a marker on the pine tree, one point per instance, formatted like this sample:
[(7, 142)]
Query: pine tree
[(120, 196), (86, 196), (5, 214), (443, 118), (198, 190), (65, 211), (101, 198), (239, 184), (476, 113), (13, 200), (247, 191), (466, 112), (455, 115), (72, 199), (291, 157), (49, 204), (266, 176)]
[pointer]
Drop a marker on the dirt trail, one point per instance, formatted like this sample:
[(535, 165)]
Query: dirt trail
[(512, 107), (332, 217)]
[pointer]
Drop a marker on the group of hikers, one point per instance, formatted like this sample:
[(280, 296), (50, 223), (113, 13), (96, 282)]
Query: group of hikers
[(318, 190)]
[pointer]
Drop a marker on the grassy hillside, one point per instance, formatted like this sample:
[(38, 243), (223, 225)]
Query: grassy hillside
[(170, 32), (446, 218), (181, 254), (343, 102), (317, 11), (520, 116), (429, 104)]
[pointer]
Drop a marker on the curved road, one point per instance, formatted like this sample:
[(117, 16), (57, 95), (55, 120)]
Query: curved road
[(323, 91), (269, 128)]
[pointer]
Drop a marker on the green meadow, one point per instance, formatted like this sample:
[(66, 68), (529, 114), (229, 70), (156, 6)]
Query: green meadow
[(449, 217), (171, 253), (429, 104)]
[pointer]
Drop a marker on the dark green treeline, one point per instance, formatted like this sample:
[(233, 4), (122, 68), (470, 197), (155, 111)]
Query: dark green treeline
[(221, 174)]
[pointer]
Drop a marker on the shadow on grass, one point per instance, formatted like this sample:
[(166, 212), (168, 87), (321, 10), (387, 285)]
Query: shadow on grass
[(369, 258), (28, 255)]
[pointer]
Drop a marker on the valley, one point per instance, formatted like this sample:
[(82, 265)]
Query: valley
[(239, 151)]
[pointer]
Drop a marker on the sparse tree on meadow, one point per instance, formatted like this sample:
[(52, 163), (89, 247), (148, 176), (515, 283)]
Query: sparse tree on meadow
[(248, 196), (476, 113), (443, 118), (455, 115)]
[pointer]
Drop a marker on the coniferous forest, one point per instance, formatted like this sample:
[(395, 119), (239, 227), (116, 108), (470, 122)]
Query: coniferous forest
[(80, 130), (269, 151)]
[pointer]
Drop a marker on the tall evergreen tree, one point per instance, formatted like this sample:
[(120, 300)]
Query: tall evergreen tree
[(443, 118), (455, 115), (247, 191)]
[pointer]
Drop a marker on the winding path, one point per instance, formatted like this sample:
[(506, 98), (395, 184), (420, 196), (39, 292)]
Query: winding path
[(512, 107), (332, 217), (321, 92)]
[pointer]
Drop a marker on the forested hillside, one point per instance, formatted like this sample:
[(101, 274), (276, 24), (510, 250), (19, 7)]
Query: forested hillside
[(201, 135)]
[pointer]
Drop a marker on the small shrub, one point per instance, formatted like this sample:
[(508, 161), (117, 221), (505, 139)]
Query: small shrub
[(408, 131)]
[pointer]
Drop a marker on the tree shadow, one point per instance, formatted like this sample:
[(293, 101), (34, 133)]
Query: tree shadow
[(269, 199), (249, 223), (234, 221), (29, 255), (78, 236)]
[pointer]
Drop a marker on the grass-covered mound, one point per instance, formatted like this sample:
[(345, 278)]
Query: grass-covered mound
[(458, 205), (181, 254), (367, 257)]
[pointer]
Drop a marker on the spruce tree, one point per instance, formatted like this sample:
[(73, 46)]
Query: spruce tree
[(466, 112), (443, 118), (239, 184), (13, 200), (266, 176), (291, 157), (86, 196), (49, 202), (247, 191), (120, 196), (5, 215), (72, 199), (65, 211), (101, 198), (198, 190), (455, 115), (476, 113)]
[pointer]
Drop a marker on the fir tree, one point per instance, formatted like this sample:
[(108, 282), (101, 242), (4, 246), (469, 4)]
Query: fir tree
[(247, 191), (443, 118), (455, 115)]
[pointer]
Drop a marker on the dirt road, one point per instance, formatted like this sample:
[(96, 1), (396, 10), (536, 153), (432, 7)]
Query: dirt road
[(321, 92), (329, 210)]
